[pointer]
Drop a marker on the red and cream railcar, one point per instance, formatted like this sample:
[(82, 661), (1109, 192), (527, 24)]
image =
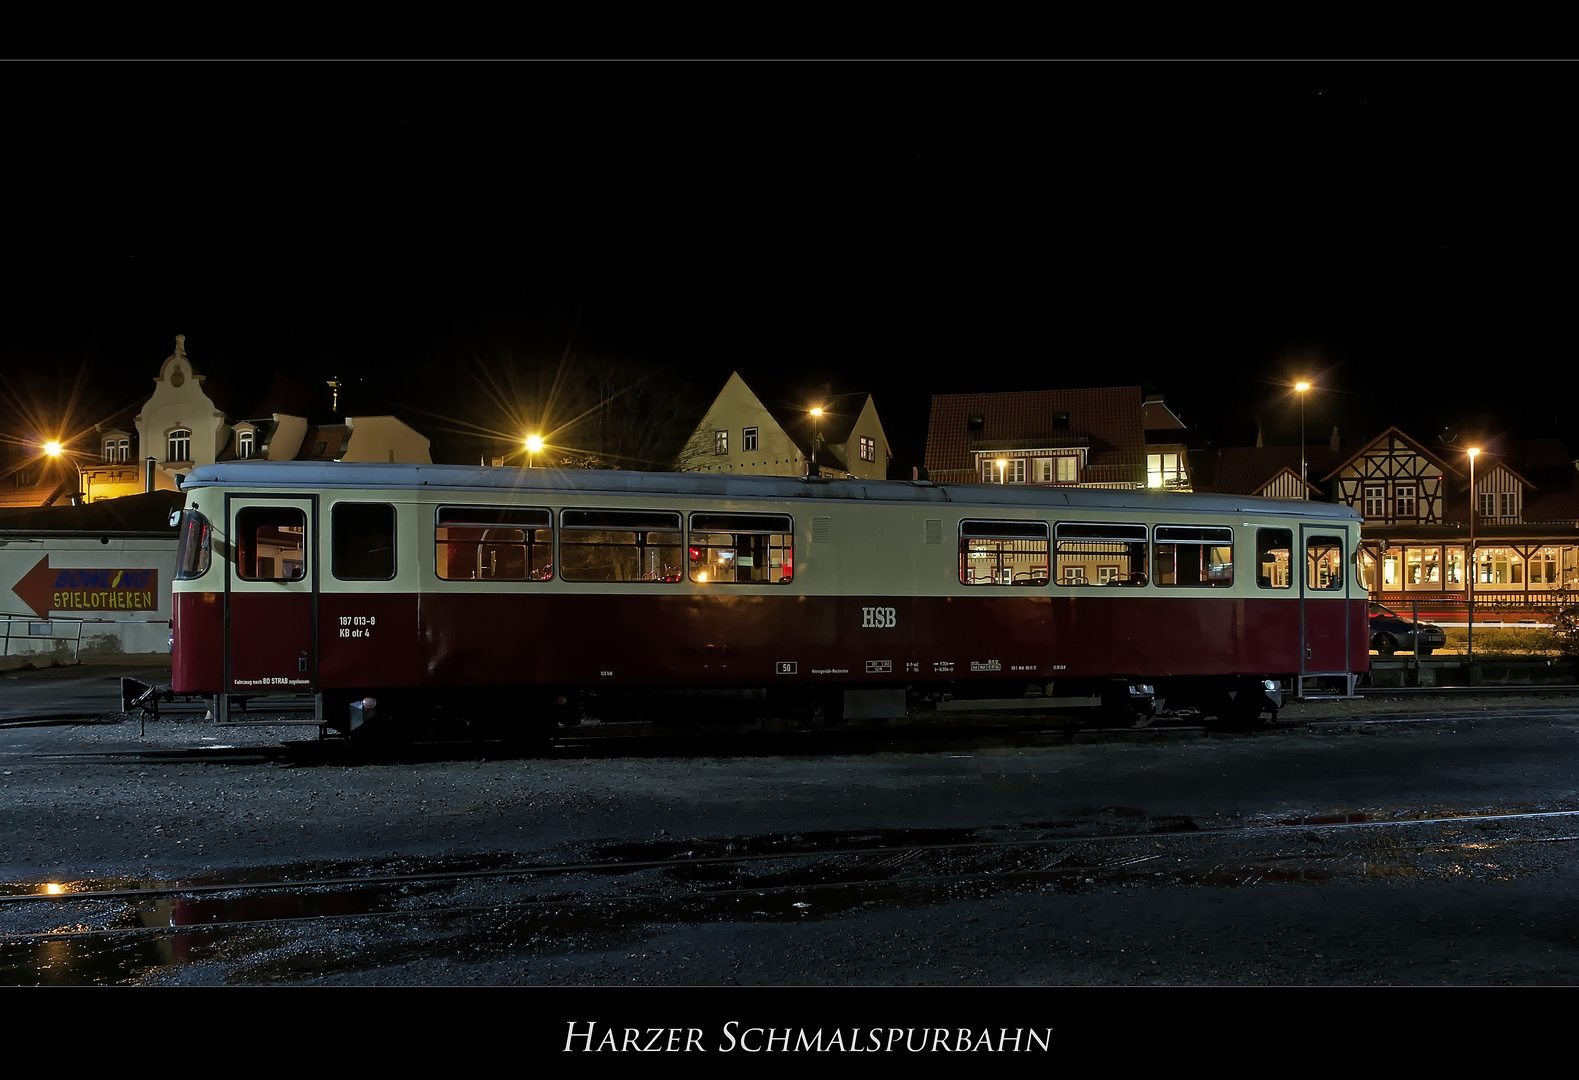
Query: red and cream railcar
[(420, 584)]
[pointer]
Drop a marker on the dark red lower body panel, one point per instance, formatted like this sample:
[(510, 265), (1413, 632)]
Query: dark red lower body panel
[(453, 640)]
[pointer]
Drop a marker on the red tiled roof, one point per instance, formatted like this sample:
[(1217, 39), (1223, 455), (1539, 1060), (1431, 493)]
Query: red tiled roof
[(1106, 421), (1245, 470)]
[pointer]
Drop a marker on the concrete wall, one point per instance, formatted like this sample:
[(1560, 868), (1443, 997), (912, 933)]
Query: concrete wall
[(34, 567)]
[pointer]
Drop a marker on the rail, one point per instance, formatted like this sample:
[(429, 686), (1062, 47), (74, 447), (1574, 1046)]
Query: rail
[(37, 630)]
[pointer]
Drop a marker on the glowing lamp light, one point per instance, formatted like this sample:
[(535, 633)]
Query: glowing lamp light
[(534, 443), (53, 448), (53, 889), (1302, 386), (817, 411)]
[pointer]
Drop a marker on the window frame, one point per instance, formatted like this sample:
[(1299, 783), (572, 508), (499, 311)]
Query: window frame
[(1001, 531), (174, 436), (710, 523), (1179, 537), (246, 540), (1084, 541), (527, 520), (641, 523), (357, 542)]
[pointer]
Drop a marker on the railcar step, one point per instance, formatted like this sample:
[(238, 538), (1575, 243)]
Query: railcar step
[(281, 722)]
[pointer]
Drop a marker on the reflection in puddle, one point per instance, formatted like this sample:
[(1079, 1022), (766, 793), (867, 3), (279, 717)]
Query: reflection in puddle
[(109, 931)]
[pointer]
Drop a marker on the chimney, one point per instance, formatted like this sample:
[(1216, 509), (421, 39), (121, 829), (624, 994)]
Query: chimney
[(148, 476)]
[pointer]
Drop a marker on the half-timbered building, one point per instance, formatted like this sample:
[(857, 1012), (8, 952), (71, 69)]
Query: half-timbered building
[(1417, 540)]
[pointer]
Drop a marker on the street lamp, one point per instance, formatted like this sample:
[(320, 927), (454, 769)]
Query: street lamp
[(1002, 464), (816, 415), (1469, 556), (534, 445), (53, 448), (1304, 485)]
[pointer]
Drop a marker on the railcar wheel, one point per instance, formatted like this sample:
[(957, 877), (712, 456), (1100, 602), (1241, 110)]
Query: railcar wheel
[(1384, 644), (1238, 707)]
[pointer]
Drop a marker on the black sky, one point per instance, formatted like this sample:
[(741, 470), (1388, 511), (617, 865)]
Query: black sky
[(1209, 231)]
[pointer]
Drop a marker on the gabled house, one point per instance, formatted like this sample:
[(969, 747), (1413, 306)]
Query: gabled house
[(1268, 472), (1418, 539), (182, 426), (1073, 438), (740, 433), (1394, 480)]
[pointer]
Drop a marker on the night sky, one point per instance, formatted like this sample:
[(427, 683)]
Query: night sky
[(1404, 233)]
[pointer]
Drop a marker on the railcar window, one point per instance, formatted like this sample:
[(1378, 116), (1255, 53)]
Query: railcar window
[(270, 543), (1274, 555), (1093, 553), (620, 545), (1003, 553), (1324, 563), (494, 543), (742, 548), (1193, 556), (362, 541), (192, 548)]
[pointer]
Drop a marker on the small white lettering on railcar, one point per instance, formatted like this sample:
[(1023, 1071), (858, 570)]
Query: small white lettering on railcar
[(878, 667), (985, 665)]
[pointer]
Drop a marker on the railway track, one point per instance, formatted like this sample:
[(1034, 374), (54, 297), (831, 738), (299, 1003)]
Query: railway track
[(962, 730), (425, 907)]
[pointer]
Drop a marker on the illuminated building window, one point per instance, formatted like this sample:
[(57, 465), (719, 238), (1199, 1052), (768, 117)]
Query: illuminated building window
[(721, 442), (1165, 471), (1067, 470), (868, 449)]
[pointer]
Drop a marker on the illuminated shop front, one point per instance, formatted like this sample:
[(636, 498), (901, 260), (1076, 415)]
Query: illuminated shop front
[(1393, 568)]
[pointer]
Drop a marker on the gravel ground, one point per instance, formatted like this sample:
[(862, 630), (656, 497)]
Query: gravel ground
[(1495, 912)]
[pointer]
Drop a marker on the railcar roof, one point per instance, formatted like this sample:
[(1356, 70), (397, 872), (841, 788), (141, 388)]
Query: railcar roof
[(287, 475)]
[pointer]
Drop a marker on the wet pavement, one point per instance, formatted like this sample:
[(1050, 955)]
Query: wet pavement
[(1437, 848)]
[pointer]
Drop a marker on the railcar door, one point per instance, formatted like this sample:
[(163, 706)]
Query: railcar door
[(271, 594), (1323, 602)]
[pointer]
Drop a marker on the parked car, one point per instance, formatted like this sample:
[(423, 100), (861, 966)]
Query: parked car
[(1390, 632)]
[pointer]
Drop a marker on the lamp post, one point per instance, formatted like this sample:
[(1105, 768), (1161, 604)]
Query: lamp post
[(1304, 485), (534, 445), (1002, 464), (1469, 559), (55, 449), (816, 415)]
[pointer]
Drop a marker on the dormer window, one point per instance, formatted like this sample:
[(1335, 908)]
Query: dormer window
[(245, 440), (179, 447), (116, 451)]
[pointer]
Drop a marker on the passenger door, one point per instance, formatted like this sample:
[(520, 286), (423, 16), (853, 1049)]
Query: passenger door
[(1323, 602), (271, 594)]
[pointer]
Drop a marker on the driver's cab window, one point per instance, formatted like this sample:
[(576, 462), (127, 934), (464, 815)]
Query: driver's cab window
[(1273, 550), (269, 543), (1324, 563)]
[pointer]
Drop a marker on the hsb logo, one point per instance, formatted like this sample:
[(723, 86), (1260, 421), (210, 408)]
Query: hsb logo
[(881, 618)]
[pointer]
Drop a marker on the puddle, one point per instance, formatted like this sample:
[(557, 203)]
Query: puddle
[(358, 925)]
